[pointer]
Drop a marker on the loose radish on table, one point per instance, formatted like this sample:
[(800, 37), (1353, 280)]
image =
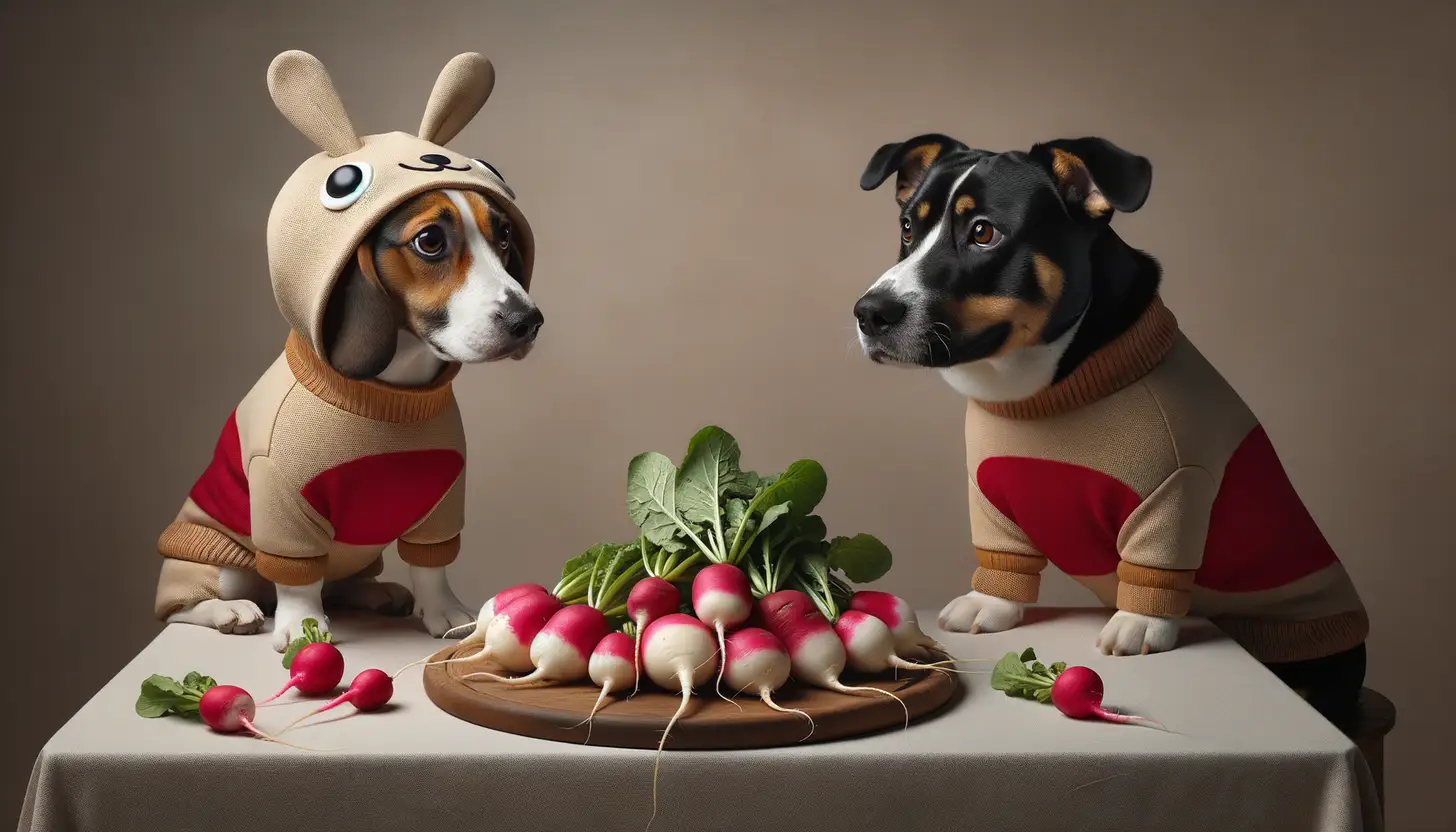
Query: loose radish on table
[(723, 600), (228, 709), (679, 653), (371, 690), (316, 669), (910, 641), (869, 645), (754, 659), (1075, 691), (613, 666), (561, 651), (650, 599), (816, 654)]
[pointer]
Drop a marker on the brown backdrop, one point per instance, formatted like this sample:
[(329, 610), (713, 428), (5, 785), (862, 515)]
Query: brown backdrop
[(691, 176)]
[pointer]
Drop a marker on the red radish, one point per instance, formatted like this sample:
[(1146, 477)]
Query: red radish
[(723, 600), (612, 667), (561, 651), (816, 654), (649, 600), (755, 658), (316, 669), (228, 709), (910, 641), (488, 612), (371, 690), (869, 645), (678, 653), (1077, 692), (508, 638)]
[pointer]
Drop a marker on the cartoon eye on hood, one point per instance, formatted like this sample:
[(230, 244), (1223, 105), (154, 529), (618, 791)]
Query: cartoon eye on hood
[(321, 221), (490, 169), (345, 185)]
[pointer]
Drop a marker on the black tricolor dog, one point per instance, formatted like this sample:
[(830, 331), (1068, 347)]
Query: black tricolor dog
[(1098, 438), (1004, 250)]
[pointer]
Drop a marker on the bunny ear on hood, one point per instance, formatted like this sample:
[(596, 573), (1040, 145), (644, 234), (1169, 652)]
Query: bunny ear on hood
[(328, 207)]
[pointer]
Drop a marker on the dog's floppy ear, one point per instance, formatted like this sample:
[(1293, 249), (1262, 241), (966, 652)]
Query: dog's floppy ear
[(908, 160), (1096, 176), (461, 90), (360, 326)]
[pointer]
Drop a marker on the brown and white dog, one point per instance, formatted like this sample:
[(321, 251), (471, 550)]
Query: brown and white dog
[(395, 261)]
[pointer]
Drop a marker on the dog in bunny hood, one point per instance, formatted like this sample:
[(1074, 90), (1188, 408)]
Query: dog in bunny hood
[(394, 261)]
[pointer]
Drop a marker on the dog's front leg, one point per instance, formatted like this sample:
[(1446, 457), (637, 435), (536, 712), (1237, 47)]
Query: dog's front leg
[(296, 603), (435, 601), (1161, 547)]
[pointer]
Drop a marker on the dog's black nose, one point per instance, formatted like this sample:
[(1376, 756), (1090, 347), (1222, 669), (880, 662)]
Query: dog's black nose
[(878, 313), (435, 159), (525, 325)]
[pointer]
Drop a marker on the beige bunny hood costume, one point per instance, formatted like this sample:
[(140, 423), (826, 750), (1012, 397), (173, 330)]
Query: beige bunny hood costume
[(314, 472)]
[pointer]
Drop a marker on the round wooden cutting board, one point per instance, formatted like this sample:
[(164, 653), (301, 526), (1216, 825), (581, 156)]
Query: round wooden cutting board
[(558, 712)]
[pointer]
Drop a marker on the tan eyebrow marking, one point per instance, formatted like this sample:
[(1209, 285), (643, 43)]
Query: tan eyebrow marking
[(964, 203)]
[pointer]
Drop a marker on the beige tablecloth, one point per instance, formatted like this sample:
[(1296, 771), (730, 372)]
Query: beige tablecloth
[(1250, 756)]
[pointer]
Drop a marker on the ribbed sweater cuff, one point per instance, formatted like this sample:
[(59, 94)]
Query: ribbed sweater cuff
[(430, 554)]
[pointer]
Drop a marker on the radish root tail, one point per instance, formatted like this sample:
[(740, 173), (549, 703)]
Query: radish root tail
[(843, 688), (598, 706), (723, 665), (316, 711), (529, 678), (1129, 719), (253, 729), (637, 654), (685, 681), (767, 696)]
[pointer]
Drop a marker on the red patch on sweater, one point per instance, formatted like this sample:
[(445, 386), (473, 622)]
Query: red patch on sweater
[(222, 490), (1260, 535), (373, 500), (1071, 513)]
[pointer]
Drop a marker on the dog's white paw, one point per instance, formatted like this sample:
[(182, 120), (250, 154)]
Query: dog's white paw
[(977, 612), (296, 603), (368, 594), (239, 617), (1132, 634), (435, 602)]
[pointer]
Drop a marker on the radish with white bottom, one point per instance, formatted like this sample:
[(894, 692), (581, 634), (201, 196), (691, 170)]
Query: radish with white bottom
[(561, 651), (869, 645), (508, 638), (613, 666), (910, 641), (650, 599), (679, 653), (754, 659), (816, 655), (723, 600), (488, 612)]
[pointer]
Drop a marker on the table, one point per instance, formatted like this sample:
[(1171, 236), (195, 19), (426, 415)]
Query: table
[(1250, 756)]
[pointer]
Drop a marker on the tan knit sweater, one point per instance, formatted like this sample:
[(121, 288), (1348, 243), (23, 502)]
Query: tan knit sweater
[(1145, 477), (314, 474)]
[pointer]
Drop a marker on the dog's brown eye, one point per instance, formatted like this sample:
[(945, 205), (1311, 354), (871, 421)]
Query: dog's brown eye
[(905, 234), (984, 233), (505, 238), (429, 243)]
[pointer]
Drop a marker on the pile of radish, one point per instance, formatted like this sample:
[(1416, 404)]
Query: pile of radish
[(732, 587)]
